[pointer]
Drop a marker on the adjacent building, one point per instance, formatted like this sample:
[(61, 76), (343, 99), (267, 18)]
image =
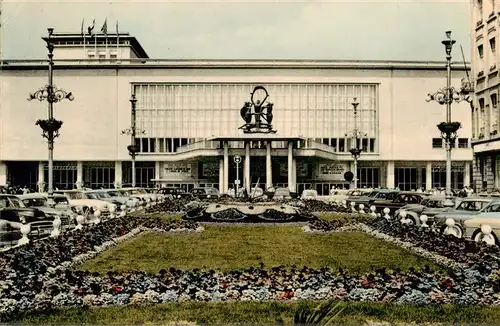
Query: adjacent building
[(485, 111), (189, 111)]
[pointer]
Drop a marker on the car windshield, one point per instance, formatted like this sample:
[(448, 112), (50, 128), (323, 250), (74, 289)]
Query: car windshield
[(471, 205), (11, 202), (92, 195), (281, 192), (125, 193), (493, 207), (61, 201), (75, 195), (138, 192), (373, 194), (35, 202), (435, 204), (114, 194), (103, 194), (424, 202)]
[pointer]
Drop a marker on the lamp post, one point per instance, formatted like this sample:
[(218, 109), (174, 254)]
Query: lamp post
[(133, 149), (446, 96), (355, 151), (50, 126)]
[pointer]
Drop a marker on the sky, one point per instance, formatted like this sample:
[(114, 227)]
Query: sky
[(324, 30)]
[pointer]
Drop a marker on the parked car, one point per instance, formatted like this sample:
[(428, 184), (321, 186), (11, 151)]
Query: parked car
[(368, 198), (205, 193), (474, 228), (140, 193), (428, 206), (340, 195), (124, 200), (62, 208), (402, 199), (13, 214), (309, 194), (471, 208), (89, 202), (175, 192)]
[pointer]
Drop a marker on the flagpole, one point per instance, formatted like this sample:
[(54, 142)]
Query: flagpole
[(83, 34)]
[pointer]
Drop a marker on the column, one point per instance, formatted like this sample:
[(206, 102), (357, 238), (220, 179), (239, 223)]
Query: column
[(157, 174), (246, 168), (390, 175), (41, 177), (428, 176), (79, 175), (226, 167), (3, 173), (269, 169), (294, 175), (118, 174), (221, 175), (467, 174), (290, 166)]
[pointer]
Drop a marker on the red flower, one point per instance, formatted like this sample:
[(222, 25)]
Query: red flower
[(117, 289), (225, 284), (121, 231), (447, 283)]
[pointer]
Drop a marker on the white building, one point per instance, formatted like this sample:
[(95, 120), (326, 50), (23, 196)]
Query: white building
[(190, 112)]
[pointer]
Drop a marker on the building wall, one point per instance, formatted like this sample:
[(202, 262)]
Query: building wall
[(101, 109)]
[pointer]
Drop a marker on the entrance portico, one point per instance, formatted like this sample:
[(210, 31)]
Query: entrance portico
[(255, 147)]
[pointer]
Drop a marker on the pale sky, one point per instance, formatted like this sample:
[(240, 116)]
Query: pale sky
[(344, 30)]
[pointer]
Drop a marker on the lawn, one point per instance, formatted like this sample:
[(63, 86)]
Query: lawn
[(235, 247), (260, 313)]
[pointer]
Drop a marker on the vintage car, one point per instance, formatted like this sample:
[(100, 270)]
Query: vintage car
[(62, 208), (402, 199), (282, 193), (102, 194), (130, 202), (483, 227), (375, 195), (140, 193), (90, 202), (13, 214), (205, 193), (339, 195), (428, 206), (309, 194), (175, 192), (469, 209)]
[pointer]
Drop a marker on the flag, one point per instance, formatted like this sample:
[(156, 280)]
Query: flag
[(104, 28), (91, 28), (83, 23)]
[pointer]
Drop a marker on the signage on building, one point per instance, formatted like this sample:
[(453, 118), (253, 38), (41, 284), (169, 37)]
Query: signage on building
[(210, 169), (301, 168), (332, 171), (177, 169)]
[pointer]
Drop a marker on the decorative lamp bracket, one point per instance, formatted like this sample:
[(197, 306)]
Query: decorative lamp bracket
[(50, 127)]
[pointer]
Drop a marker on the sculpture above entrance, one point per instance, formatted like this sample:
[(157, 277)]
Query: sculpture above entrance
[(257, 114)]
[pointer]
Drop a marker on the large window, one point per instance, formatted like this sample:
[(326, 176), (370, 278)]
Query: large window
[(439, 177), (169, 111), (99, 175), (64, 177), (368, 177), (406, 178), (144, 173)]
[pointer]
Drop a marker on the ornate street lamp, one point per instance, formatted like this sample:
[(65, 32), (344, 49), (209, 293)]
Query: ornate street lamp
[(446, 96), (356, 134), (50, 126), (133, 149)]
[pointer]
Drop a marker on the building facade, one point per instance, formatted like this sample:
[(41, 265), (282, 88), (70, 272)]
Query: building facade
[(485, 112), (189, 111)]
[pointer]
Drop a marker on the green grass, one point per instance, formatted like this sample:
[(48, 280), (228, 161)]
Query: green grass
[(261, 313), (236, 247)]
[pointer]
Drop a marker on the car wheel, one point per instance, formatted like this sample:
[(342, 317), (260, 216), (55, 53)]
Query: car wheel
[(410, 220), (454, 230), (490, 239)]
